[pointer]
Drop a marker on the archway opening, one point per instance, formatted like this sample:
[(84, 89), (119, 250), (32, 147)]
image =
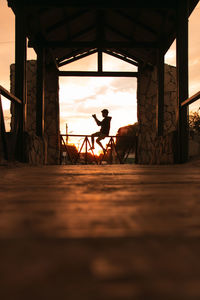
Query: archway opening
[(81, 97)]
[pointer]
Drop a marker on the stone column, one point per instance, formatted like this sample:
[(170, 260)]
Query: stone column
[(40, 150), (51, 114), (153, 149)]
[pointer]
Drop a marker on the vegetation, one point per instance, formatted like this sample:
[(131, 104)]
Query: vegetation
[(194, 122), (126, 139)]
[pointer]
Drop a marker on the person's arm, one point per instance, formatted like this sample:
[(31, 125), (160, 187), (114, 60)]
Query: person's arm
[(97, 121)]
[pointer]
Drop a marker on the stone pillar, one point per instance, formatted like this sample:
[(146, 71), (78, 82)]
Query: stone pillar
[(153, 149), (41, 150), (51, 114)]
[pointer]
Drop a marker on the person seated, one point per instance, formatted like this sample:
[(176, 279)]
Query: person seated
[(104, 130)]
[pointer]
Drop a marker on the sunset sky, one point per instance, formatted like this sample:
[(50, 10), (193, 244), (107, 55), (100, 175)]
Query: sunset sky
[(82, 97)]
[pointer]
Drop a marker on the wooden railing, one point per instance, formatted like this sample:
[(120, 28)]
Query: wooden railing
[(3, 139), (85, 156), (190, 100)]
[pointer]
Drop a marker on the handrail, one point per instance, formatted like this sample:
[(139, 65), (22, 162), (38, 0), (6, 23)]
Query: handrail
[(190, 100), (9, 96), (111, 145), (87, 135), (8, 155)]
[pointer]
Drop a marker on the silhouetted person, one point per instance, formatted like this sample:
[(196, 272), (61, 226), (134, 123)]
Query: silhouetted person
[(104, 131)]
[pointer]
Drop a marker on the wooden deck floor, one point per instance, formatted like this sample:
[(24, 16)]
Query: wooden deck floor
[(100, 232)]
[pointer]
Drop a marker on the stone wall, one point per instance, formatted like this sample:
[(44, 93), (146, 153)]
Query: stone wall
[(151, 148), (40, 150)]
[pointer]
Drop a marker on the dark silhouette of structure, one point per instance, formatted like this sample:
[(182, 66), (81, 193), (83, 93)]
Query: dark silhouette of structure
[(117, 232), (141, 36)]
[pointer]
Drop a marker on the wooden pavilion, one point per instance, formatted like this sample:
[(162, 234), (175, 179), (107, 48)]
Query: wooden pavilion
[(139, 32)]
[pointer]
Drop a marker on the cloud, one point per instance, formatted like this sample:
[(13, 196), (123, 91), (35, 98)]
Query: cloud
[(124, 84)]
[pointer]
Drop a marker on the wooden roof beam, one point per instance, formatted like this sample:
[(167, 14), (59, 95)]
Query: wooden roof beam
[(75, 36), (75, 58), (109, 52), (122, 57), (99, 4), (97, 74), (73, 54), (121, 34), (136, 22), (66, 20), (99, 44), (127, 54), (82, 32)]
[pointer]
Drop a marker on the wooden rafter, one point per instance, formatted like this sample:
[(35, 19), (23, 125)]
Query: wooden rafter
[(73, 54), (67, 25), (97, 74), (136, 22), (98, 4), (68, 41), (83, 32), (125, 53), (77, 57), (122, 57), (99, 44), (120, 33), (66, 20)]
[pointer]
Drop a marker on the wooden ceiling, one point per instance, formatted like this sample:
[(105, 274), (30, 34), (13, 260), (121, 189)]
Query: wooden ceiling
[(72, 29)]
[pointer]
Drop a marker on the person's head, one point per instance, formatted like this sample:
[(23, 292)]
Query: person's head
[(104, 112)]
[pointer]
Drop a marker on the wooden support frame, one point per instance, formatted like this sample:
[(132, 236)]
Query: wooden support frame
[(40, 91), (75, 54), (9, 96), (100, 61), (97, 74), (121, 56), (98, 44), (3, 133), (100, 37), (66, 21), (16, 102), (136, 22), (119, 33), (170, 4), (87, 143), (20, 83), (160, 95), (109, 52), (75, 58), (182, 79), (190, 100)]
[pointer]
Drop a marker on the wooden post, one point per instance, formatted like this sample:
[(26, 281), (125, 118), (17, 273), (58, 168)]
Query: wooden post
[(3, 141), (20, 82), (160, 99), (182, 78), (86, 150), (100, 62), (100, 36), (40, 92)]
